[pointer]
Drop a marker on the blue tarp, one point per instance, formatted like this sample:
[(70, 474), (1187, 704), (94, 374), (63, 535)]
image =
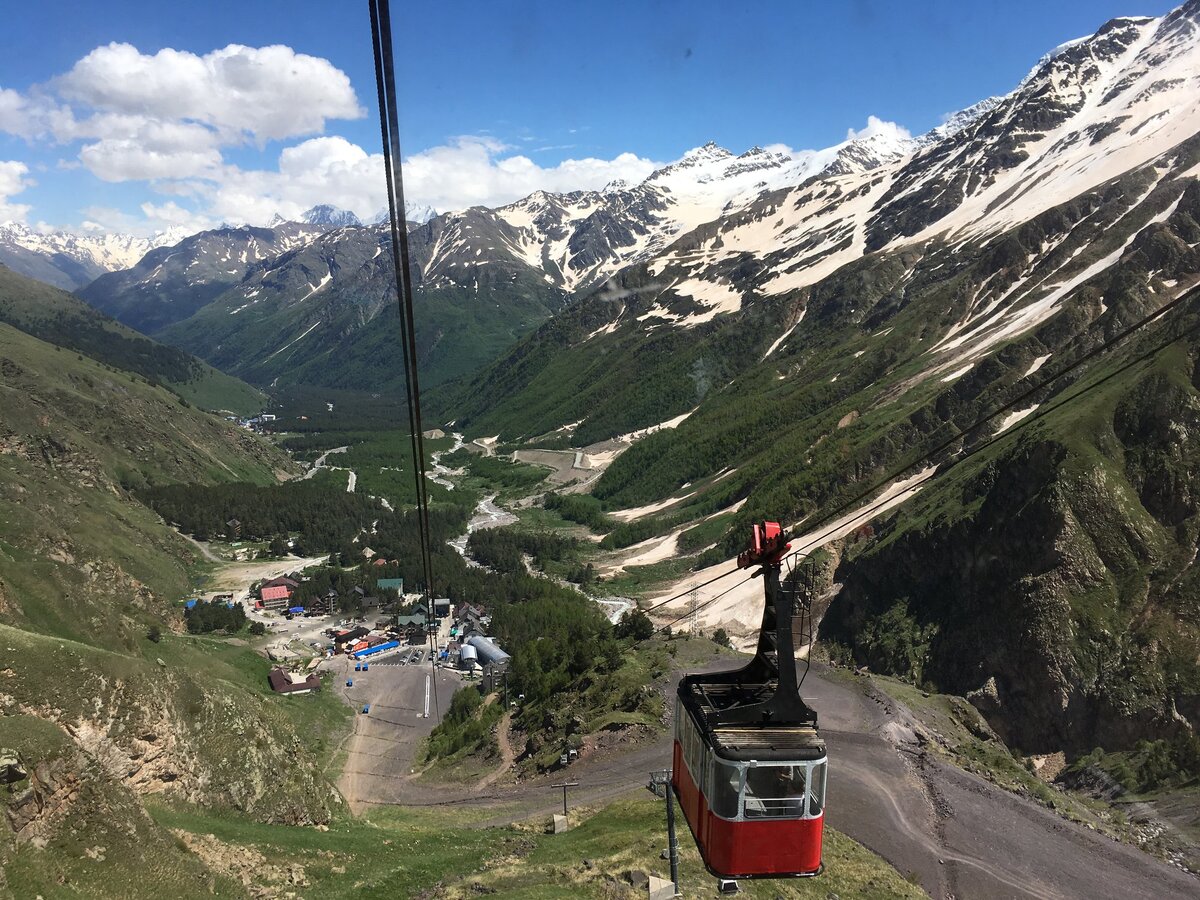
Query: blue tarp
[(191, 604), (390, 645), (296, 609)]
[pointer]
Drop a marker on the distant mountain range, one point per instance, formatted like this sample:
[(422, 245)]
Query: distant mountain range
[(71, 261)]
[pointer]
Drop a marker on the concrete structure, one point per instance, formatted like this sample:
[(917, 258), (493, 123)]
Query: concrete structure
[(660, 888)]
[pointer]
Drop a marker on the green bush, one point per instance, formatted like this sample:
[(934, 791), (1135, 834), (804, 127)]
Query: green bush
[(896, 643)]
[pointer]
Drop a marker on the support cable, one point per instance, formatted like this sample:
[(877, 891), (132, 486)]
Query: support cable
[(385, 83), (1041, 413)]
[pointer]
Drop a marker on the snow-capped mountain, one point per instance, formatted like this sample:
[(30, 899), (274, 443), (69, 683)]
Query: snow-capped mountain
[(69, 260), (170, 283), (329, 216), (1092, 152), (581, 238), (416, 213), (720, 231)]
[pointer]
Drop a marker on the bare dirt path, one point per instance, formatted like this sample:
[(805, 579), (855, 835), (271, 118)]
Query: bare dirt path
[(203, 548), (237, 577), (507, 755)]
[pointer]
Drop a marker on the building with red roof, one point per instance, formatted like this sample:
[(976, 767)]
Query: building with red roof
[(276, 596)]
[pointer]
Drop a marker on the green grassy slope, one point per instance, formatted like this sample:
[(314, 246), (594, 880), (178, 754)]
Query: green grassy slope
[(431, 852), (62, 319), (1054, 571), (85, 570)]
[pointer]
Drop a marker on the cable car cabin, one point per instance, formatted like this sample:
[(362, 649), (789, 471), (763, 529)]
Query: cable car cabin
[(749, 765), (754, 796)]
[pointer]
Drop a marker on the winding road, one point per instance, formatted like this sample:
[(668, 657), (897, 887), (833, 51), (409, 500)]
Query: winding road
[(320, 462), (957, 834)]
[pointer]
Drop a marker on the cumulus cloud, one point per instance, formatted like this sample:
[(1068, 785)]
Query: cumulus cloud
[(168, 118), (13, 179), (267, 93), (468, 171), (168, 115), (878, 127)]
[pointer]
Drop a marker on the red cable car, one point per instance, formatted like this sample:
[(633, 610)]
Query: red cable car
[(749, 766)]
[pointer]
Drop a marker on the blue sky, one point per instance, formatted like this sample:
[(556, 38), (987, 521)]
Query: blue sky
[(625, 84)]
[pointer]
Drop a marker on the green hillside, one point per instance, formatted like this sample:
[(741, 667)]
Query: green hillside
[(86, 570), (62, 319), (858, 388), (325, 315)]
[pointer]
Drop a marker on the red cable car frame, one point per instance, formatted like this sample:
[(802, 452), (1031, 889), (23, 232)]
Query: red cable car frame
[(749, 766)]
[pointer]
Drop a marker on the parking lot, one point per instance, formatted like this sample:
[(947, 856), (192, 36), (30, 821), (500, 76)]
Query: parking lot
[(382, 750)]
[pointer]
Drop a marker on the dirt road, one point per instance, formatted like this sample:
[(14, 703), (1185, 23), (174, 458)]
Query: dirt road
[(382, 748), (319, 463), (957, 834), (236, 577)]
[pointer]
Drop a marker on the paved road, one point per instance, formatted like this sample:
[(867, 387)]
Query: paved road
[(960, 836), (382, 748), (319, 463)]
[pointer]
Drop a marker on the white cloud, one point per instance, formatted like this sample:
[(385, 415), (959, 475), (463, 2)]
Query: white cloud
[(267, 93), (165, 119), (877, 126), (167, 115), (14, 178), (468, 171)]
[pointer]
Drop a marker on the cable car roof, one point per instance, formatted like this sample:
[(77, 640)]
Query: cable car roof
[(773, 741), (768, 742)]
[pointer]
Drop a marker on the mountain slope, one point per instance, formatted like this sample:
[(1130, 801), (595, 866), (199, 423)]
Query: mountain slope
[(810, 341), (62, 319), (1054, 576), (105, 715), (325, 314), (168, 284)]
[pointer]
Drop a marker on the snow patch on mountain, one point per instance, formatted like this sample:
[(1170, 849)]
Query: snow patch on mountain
[(324, 214)]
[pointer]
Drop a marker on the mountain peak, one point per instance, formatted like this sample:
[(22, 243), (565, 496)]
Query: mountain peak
[(709, 152), (324, 214), (418, 214)]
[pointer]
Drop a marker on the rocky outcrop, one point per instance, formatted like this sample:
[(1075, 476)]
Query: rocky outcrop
[(42, 801)]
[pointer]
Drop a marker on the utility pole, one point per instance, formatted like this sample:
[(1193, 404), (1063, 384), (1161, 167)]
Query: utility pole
[(693, 605), (663, 777), (564, 786)]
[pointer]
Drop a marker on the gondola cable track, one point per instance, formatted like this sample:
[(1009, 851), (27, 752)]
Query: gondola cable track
[(385, 83)]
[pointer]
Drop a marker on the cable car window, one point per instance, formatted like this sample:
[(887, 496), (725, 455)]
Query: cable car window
[(817, 790), (726, 785), (774, 792)]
